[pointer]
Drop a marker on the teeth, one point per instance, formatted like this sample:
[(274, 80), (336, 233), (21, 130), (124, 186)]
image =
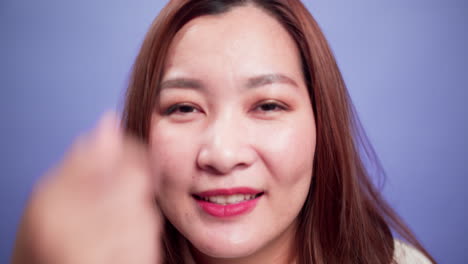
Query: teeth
[(229, 199)]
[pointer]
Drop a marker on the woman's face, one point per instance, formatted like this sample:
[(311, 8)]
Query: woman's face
[(233, 134)]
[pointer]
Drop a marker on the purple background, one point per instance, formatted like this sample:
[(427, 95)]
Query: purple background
[(63, 63)]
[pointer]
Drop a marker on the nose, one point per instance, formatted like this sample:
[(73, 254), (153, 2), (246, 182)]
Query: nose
[(226, 147)]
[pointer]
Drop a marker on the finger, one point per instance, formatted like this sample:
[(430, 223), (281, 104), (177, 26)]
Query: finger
[(93, 158), (108, 137), (134, 165)]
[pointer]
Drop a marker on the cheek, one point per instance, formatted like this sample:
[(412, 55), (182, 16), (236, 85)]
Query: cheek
[(289, 151), (172, 156), (289, 155)]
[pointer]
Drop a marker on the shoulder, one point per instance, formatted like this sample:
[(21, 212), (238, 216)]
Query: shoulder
[(407, 254)]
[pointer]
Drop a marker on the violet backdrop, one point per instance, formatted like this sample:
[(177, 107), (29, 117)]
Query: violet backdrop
[(63, 63)]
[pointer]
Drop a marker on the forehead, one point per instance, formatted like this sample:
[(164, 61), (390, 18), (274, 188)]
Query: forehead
[(241, 42)]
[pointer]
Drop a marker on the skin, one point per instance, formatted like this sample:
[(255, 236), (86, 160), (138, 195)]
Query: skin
[(97, 205), (215, 127)]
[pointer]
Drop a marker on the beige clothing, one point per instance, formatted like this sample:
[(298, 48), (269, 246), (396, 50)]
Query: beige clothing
[(406, 254)]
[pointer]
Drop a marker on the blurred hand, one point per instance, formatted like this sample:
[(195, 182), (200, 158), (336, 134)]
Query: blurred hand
[(97, 206)]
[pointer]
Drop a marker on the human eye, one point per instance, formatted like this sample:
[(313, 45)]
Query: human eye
[(270, 106), (181, 109)]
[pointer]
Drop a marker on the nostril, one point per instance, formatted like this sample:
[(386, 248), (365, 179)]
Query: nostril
[(221, 160), (218, 170), (212, 170)]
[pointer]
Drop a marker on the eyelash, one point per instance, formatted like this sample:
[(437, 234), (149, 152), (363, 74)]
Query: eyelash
[(174, 108), (272, 106), (276, 106)]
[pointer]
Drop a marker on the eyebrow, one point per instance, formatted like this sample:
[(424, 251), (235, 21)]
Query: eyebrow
[(181, 83), (269, 79), (253, 82)]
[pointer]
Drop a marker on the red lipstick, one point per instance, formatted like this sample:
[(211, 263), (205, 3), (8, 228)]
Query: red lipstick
[(229, 209)]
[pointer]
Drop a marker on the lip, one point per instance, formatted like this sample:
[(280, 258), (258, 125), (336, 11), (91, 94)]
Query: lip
[(228, 210), (230, 191)]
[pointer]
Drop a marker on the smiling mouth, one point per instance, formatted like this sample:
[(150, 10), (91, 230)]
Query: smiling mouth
[(228, 199), (227, 203)]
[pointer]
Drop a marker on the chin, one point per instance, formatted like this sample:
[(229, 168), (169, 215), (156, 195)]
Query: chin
[(225, 248)]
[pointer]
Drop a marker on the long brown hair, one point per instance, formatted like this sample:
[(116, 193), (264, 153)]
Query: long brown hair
[(344, 219)]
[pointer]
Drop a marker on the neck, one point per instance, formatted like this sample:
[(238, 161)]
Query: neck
[(281, 250)]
